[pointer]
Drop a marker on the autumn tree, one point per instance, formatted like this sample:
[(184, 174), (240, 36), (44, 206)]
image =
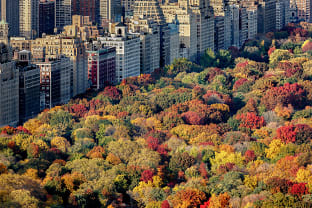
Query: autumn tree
[(288, 94), (188, 198)]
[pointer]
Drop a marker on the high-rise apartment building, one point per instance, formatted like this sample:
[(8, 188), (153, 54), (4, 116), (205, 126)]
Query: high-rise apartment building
[(243, 25), (204, 25), (282, 13), (222, 24), (152, 9), (89, 8), (29, 18), (174, 41), (128, 6), (29, 87), (149, 32), (101, 66), (234, 31), (110, 10), (63, 13), (219, 33), (266, 16), (252, 17), (182, 13), (9, 88), (46, 17), (55, 80), (127, 51), (10, 14), (304, 10)]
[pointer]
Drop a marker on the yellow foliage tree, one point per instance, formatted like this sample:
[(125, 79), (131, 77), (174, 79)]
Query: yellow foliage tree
[(61, 143), (274, 148), (32, 125), (32, 173), (220, 201), (251, 181), (222, 158), (303, 175)]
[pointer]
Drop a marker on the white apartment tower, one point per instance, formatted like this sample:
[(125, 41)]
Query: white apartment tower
[(29, 18), (149, 32), (127, 51), (182, 13)]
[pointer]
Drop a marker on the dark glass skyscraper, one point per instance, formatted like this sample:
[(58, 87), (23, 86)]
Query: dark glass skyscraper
[(46, 17)]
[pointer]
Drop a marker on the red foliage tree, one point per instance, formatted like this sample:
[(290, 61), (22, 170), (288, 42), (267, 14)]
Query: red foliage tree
[(216, 97), (8, 130), (212, 73), (250, 120), (303, 133), (288, 94), (299, 189), (147, 175), (79, 110), (239, 83), (152, 143), (290, 68), (250, 155), (297, 31), (241, 64), (112, 92), (21, 129), (165, 204), (145, 79), (205, 205), (287, 133), (203, 170), (271, 50), (193, 118), (162, 149), (95, 104)]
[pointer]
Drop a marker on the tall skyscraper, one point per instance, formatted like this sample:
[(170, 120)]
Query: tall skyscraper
[(10, 14), (152, 9), (282, 13), (89, 8), (9, 91), (182, 13), (29, 18), (110, 10), (266, 16), (205, 25), (29, 87), (46, 17), (63, 13)]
